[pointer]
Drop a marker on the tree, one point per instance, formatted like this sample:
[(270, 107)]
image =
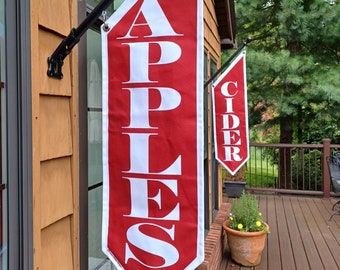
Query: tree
[(292, 66)]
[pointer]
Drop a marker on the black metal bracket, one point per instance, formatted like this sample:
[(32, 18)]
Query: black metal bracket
[(56, 60), (248, 40)]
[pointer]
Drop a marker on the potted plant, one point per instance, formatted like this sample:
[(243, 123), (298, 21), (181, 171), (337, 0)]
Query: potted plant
[(246, 231), (235, 184)]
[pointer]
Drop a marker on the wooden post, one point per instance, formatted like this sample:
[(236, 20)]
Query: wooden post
[(326, 177)]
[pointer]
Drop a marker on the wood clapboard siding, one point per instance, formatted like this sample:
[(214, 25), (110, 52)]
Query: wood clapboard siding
[(57, 15), (55, 132), (56, 246), (46, 84), (53, 178), (211, 36), (55, 139)]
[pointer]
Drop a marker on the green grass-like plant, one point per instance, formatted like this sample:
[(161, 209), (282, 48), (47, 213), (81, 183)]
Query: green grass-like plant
[(246, 215)]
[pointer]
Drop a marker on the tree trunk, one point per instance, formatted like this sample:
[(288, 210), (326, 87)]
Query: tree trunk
[(286, 136), (299, 125)]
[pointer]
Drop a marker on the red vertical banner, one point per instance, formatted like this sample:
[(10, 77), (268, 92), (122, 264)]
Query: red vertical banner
[(153, 216), (230, 115)]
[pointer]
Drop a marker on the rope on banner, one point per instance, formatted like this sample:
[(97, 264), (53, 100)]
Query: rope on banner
[(248, 40)]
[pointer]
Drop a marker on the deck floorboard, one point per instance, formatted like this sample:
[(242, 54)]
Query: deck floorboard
[(301, 235)]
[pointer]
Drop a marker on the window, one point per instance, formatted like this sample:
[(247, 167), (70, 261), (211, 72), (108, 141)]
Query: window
[(16, 249), (210, 163), (3, 197), (96, 259), (95, 178), (214, 202), (112, 7)]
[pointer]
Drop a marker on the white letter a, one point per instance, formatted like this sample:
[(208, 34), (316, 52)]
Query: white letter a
[(155, 18)]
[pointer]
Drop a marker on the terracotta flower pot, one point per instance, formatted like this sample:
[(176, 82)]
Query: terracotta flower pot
[(246, 247)]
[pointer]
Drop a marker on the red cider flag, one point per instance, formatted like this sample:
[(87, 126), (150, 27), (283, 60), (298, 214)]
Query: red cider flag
[(230, 114), (153, 135)]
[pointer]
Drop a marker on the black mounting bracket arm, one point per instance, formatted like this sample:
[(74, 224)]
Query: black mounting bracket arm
[(227, 63), (56, 60)]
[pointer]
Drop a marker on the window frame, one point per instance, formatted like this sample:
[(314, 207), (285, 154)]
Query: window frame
[(19, 138), (84, 9), (211, 199)]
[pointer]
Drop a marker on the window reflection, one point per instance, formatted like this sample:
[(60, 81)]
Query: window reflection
[(95, 177), (97, 260)]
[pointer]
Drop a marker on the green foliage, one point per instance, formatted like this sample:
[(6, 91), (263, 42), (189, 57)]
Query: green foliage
[(262, 168), (292, 65), (262, 178), (246, 215), (110, 9), (307, 170)]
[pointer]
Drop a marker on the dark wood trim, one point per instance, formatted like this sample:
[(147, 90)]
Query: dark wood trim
[(83, 162)]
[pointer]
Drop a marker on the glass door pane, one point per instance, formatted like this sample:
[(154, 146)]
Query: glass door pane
[(97, 260)]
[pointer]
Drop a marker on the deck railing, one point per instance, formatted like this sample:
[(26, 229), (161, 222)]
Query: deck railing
[(290, 168)]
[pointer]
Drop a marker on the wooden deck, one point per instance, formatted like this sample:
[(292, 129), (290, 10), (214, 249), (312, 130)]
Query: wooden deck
[(301, 236)]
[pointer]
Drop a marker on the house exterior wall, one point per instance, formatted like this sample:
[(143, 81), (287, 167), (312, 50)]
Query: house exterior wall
[(213, 50), (55, 134), (55, 139), (215, 243), (211, 35)]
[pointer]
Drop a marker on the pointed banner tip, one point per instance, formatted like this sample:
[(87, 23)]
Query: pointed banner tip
[(230, 115), (153, 150)]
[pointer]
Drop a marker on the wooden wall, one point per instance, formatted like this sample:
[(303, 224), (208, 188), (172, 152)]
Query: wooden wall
[(213, 50), (211, 36), (55, 139)]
